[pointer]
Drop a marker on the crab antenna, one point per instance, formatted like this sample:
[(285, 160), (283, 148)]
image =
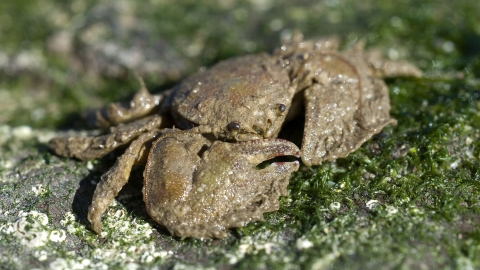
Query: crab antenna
[(141, 81)]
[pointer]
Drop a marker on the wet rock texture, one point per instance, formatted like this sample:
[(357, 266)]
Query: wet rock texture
[(408, 198)]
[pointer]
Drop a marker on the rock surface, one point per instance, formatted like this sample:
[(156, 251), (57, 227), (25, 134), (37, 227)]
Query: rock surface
[(408, 198)]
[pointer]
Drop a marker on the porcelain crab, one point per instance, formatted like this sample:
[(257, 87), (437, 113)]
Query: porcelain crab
[(202, 140)]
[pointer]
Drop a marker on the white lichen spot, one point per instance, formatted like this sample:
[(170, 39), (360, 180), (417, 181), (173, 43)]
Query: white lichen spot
[(32, 229), (119, 214), (70, 223), (126, 240), (267, 247), (243, 249), (448, 46), (263, 242), (468, 141), (393, 54), (39, 190), (232, 258), (59, 263), (276, 24), (132, 266), (7, 164), (391, 210), (57, 236), (464, 263), (41, 255), (181, 266), (22, 132), (303, 243), (148, 256), (75, 263), (372, 204), (85, 262), (163, 254), (334, 206), (330, 183), (194, 48), (45, 136), (404, 200), (99, 266), (415, 211), (454, 165), (325, 261), (90, 165)]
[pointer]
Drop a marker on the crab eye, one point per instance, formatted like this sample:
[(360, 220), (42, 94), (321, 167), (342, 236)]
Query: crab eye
[(233, 126), (281, 107)]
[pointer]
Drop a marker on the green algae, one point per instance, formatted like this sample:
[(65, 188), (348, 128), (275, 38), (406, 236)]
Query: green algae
[(409, 198)]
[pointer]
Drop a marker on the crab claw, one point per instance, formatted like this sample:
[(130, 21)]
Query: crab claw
[(200, 193)]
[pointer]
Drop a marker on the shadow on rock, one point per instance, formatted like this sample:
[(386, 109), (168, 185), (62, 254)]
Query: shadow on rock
[(131, 197), (83, 198)]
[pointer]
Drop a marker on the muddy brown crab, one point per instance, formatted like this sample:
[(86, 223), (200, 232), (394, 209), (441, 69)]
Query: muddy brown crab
[(202, 140)]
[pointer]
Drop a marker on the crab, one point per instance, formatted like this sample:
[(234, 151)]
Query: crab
[(202, 141)]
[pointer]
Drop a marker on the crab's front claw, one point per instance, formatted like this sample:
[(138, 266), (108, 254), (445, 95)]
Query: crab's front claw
[(198, 189)]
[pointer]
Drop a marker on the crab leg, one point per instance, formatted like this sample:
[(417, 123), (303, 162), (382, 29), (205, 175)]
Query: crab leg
[(201, 193), (346, 105), (86, 148), (143, 103), (112, 182), (337, 122), (381, 67)]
